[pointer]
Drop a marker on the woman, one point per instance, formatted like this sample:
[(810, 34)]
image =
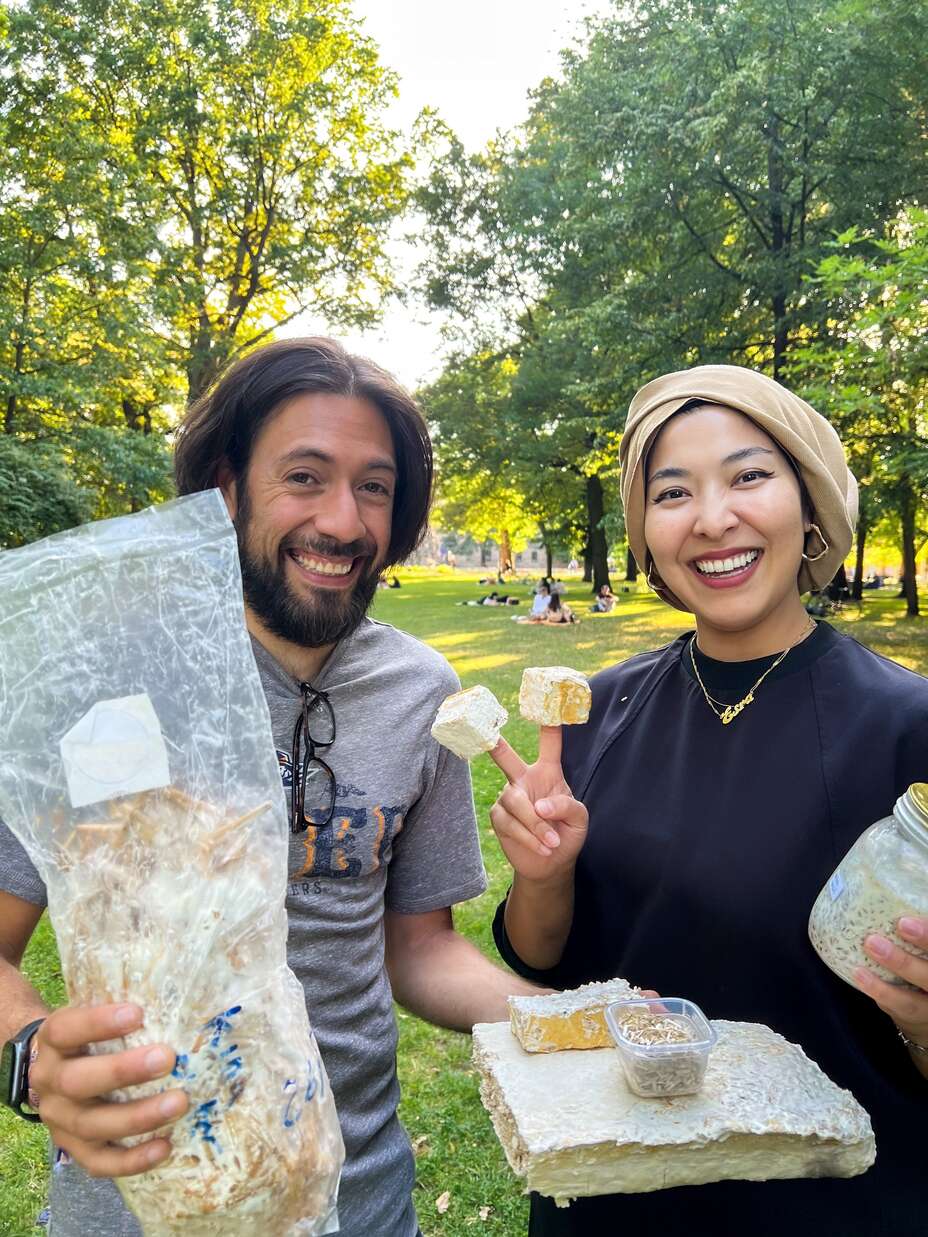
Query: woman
[(558, 611), (540, 603), (605, 600), (718, 782)]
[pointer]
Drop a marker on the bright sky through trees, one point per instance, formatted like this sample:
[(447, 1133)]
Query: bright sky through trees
[(473, 63)]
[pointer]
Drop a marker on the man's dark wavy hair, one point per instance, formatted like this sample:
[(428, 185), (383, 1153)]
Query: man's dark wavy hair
[(220, 428)]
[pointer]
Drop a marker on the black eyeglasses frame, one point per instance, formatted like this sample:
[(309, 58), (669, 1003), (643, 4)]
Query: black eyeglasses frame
[(300, 765)]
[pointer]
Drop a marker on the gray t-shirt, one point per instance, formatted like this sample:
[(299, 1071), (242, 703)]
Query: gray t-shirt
[(403, 836)]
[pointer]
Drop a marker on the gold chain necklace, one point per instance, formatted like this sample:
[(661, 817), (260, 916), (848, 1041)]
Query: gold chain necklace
[(730, 711)]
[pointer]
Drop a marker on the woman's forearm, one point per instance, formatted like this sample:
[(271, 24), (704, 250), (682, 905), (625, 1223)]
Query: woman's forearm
[(538, 916)]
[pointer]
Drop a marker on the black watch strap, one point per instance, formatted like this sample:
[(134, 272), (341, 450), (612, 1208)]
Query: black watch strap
[(14, 1071)]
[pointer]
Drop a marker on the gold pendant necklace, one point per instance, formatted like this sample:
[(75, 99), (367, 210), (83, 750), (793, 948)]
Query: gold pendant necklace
[(728, 712)]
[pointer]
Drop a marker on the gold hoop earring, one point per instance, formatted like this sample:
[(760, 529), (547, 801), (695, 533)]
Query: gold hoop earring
[(650, 583), (813, 558)]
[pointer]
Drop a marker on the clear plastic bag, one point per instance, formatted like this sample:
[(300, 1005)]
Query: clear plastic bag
[(128, 687)]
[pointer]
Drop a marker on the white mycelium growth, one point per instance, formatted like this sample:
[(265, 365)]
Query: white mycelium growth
[(161, 901), (469, 722), (554, 696)]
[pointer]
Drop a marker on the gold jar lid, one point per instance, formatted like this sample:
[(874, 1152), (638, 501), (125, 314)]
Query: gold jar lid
[(918, 793)]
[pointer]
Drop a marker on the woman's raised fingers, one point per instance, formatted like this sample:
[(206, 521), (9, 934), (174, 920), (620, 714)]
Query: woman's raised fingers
[(509, 761), (550, 744)]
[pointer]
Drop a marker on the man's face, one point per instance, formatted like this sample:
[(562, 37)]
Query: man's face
[(313, 516)]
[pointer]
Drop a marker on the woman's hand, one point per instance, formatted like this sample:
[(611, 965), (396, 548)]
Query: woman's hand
[(908, 1009), (540, 825)]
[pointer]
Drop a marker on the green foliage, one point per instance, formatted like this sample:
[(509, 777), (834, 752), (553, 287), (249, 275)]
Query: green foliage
[(663, 205), (178, 181), (37, 497), (868, 370)]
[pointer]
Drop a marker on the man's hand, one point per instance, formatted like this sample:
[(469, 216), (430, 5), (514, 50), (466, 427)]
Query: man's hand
[(908, 1009), (67, 1085), (540, 825)]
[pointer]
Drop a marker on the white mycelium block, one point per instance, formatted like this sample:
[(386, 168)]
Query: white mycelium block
[(554, 696), (571, 1127), (469, 722), (574, 1019)]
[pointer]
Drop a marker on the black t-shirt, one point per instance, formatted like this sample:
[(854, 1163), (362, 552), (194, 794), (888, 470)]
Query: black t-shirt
[(707, 847)]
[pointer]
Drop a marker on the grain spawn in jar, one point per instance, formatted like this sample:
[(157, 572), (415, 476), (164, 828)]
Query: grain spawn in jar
[(882, 877)]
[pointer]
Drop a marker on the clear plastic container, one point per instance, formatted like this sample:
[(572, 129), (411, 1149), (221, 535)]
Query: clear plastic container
[(882, 877), (663, 1044)]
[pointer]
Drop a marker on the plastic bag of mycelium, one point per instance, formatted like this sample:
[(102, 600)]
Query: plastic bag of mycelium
[(138, 771)]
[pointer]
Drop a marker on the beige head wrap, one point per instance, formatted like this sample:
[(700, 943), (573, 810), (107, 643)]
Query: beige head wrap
[(796, 427)]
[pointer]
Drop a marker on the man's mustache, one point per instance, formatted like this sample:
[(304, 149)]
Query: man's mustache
[(330, 548)]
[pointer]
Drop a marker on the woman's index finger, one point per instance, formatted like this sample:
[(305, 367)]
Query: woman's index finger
[(550, 744), (509, 760)]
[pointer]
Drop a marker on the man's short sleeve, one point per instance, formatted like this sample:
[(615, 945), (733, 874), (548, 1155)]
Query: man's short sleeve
[(436, 857), (18, 876)]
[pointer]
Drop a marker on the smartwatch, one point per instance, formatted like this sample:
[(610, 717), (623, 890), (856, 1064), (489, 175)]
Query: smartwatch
[(14, 1071)]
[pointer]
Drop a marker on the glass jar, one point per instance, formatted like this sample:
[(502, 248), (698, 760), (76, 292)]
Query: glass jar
[(882, 877)]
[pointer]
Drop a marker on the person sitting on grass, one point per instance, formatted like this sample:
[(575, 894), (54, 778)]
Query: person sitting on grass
[(605, 600), (558, 611), (540, 603)]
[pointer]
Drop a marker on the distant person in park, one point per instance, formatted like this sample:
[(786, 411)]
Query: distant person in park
[(326, 468), (558, 611), (540, 603), (681, 836), (605, 600)]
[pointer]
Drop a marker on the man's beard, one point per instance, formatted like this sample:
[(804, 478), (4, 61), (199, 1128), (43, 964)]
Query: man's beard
[(326, 618)]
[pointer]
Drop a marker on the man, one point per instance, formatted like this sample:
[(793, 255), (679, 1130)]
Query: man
[(325, 466)]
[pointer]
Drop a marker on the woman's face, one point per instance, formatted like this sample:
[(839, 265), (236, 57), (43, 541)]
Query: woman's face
[(724, 519)]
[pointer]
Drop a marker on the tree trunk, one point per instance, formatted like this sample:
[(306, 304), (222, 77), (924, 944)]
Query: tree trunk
[(484, 553), (549, 561), (596, 535), (505, 552), (909, 580), (779, 242), (203, 366), (587, 564), (631, 566), (857, 586)]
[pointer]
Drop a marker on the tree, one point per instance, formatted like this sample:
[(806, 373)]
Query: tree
[(667, 195), (242, 166), (870, 372)]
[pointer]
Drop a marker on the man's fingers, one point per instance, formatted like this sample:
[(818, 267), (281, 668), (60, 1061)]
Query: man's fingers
[(509, 760), (108, 1161), (102, 1123), (70, 1029), (550, 744), (85, 1078)]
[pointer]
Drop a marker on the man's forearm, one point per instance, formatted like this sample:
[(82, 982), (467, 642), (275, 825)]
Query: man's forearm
[(20, 1004), (538, 916), (449, 982)]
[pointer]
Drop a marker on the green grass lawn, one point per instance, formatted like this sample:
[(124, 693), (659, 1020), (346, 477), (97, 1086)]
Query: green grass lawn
[(457, 1153)]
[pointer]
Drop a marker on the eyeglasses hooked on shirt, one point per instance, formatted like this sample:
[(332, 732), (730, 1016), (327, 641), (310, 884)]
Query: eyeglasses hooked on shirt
[(312, 798)]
